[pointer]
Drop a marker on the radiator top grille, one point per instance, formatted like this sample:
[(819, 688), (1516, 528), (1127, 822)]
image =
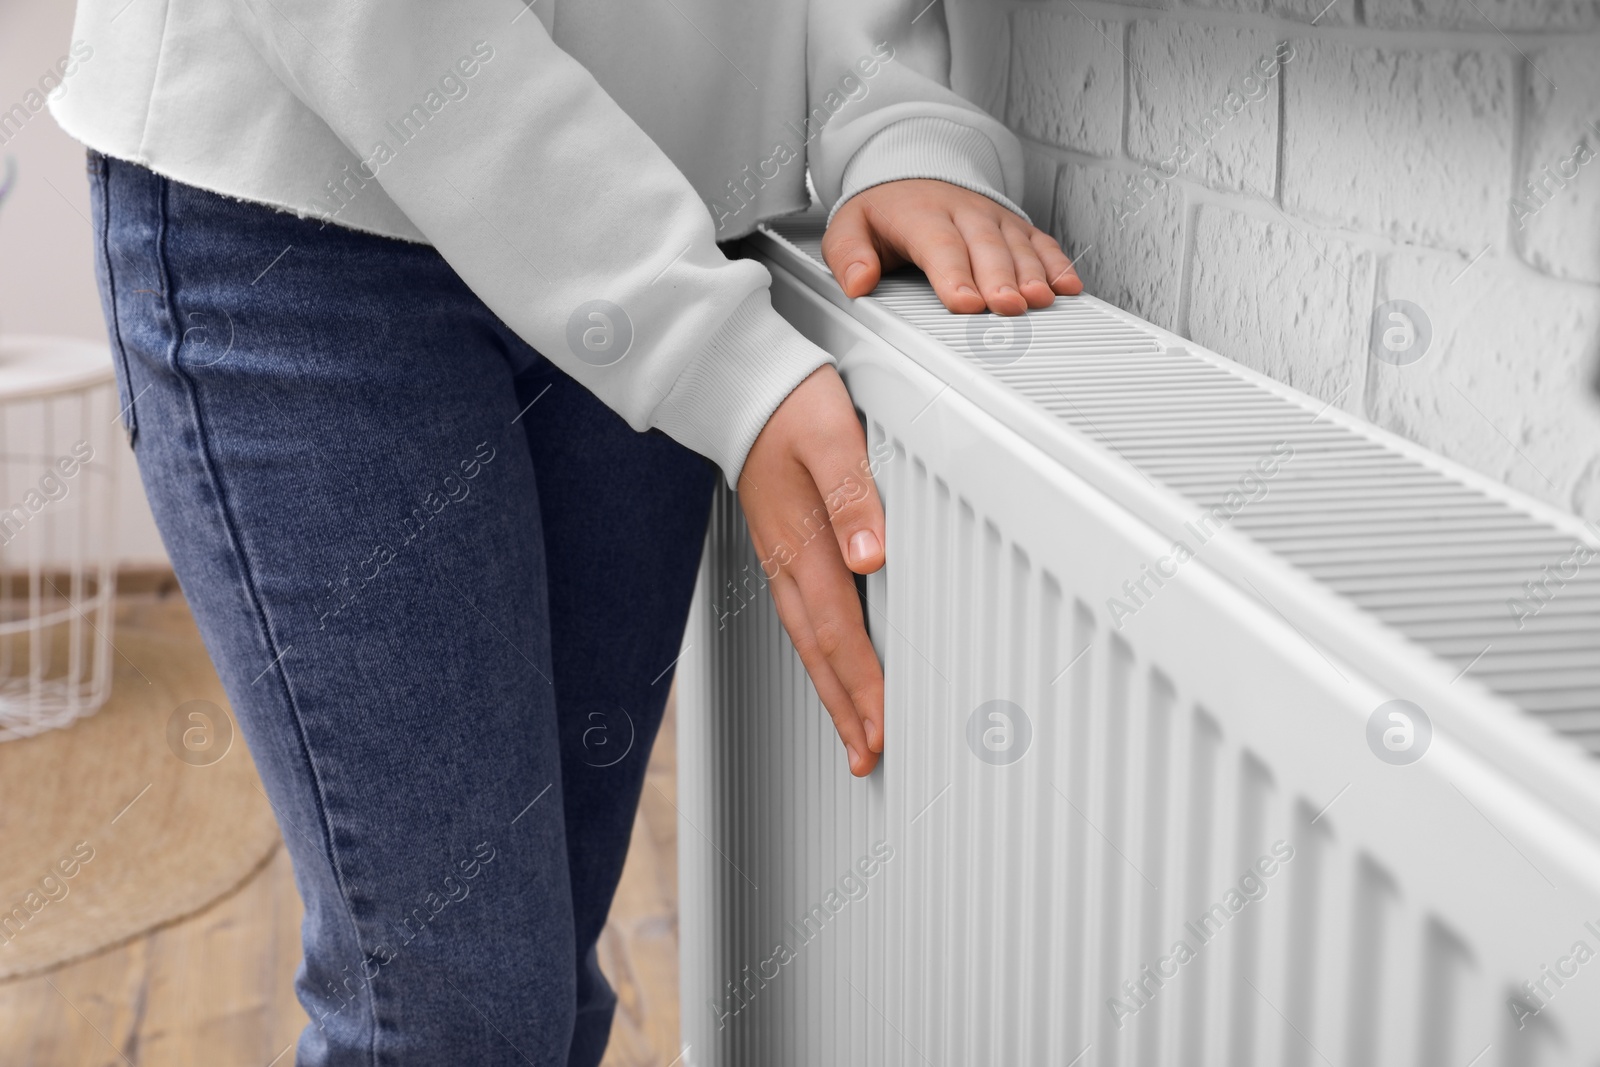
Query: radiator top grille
[(1484, 584)]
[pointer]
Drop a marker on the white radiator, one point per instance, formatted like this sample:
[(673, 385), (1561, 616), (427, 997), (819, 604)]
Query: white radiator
[(1101, 747)]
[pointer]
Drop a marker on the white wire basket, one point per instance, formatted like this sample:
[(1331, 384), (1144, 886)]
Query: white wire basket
[(58, 460)]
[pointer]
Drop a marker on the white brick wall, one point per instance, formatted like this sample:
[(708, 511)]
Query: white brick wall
[(1389, 156), (1564, 240), (1287, 303), (1414, 145), (1173, 67), (1068, 85)]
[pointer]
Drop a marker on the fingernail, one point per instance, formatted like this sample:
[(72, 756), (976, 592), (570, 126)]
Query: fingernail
[(1006, 290), (852, 272), (872, 737), (863, 546), (855, 756), (966, 290)]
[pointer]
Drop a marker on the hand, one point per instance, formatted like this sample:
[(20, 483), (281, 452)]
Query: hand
[(811, 505), (976, 254)]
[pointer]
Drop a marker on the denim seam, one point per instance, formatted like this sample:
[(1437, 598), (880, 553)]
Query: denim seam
[(247, 576), (129, 416)]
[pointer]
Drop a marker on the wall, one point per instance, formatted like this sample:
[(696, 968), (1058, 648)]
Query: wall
[(1387, 158), (46, 266)]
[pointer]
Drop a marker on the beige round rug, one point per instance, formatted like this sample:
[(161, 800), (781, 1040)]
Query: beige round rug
[(137, 816)]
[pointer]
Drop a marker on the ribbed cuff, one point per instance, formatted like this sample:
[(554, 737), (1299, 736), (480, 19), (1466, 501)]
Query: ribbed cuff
[(720, 403), (928, 147)]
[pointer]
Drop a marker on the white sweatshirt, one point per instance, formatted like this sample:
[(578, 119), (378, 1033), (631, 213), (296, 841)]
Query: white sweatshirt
[(575, 161)]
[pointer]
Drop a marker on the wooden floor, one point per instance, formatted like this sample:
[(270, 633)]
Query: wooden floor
[(215, 990)]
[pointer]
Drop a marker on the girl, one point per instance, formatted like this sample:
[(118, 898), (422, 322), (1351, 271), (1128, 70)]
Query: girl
[(392, 288)]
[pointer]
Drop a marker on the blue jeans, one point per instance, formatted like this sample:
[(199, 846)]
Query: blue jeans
[(444, 588)]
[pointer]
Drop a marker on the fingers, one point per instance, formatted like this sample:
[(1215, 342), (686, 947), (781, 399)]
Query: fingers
[(836, 458), (993, 263), (840, 634), (834, 453), (815, 596), (848, 249), (1032, 280), (817, 603), (977, 255), (807, 476), (931, 240), (1058, 269)]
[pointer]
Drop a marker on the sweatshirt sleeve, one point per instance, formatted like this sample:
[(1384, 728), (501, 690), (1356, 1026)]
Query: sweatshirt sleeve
[(552, 205), (879, 77)]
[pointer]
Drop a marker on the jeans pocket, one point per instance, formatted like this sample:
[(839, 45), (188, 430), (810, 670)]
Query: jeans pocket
[(100, 213)]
